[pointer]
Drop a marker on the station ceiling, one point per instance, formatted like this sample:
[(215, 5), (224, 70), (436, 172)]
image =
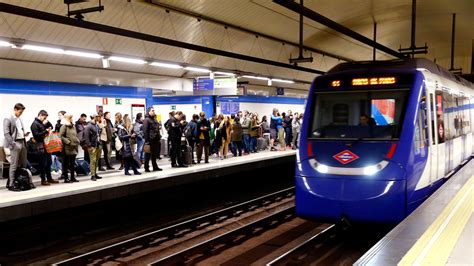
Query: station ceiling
[(266, 31)]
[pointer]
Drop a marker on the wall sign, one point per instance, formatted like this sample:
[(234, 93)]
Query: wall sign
[(118, 101)]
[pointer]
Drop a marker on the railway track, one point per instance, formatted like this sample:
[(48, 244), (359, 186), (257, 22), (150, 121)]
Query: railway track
[(152, 240)]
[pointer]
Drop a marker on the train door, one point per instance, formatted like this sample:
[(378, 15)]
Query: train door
[(433, 137), (440, 133)]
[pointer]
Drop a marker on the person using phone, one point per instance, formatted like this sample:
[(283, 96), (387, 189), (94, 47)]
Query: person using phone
[(203, 138)]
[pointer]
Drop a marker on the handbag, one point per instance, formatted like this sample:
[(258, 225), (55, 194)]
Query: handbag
[(147, 148), (53, 143), (118, 144)]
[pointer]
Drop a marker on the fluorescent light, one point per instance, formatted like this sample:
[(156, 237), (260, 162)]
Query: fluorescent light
[(269, 82), (224, 73), (166, 65), (105, 63), (127, 60), (255, 77), (283, 80), (82, 54), (42, 49), (5, 44), (211, 75), (196, 69)]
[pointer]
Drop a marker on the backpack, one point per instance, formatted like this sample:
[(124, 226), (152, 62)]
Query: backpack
[(188, 131), (22, 179)]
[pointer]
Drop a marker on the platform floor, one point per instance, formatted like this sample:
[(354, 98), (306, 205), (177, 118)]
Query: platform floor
[(115, 184), (439, 232)]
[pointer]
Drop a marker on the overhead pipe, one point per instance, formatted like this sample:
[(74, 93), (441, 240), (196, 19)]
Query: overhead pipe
[(31, 13), (375, 40), (292, 5), (453, 33), (233, 26), (413, 27)]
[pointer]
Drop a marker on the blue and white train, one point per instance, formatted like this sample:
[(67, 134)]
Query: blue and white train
[(379, 138)]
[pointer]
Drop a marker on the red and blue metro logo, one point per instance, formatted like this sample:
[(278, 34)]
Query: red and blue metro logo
[(345, 157)]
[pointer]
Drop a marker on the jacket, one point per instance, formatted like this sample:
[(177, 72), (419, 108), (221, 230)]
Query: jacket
[(278, 122), (91, 135), (69, 138), (39, 130), (151, 129), (205, 132), (192, 127), (254, 128), (265, 127), (138, 129), (125, 137), (175, 129), (237, 132), (109, 129), (296, 125), (10, 131), (246, 125)]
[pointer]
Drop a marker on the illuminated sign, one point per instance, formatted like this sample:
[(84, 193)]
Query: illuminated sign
[(335, 83), (373, 81)]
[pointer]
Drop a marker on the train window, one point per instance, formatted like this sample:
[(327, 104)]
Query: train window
[(424, 119), (440, 118), (374, 114)]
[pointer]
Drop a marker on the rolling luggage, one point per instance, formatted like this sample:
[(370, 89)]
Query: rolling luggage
[(164, 147), (137, 161), (81, 167), (262, 144), (186, 154)]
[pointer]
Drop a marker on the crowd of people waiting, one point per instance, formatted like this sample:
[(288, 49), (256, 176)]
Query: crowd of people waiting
[(141, 143)]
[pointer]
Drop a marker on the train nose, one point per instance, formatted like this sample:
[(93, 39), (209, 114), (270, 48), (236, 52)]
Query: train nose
[(358, 199)]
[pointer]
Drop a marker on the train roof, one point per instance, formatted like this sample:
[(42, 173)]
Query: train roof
[(400, 64)]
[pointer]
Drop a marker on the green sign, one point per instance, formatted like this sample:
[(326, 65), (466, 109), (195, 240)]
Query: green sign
[(173, 107), (118, 101)]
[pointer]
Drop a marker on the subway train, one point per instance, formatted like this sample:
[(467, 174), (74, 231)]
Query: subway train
[(379, 138)]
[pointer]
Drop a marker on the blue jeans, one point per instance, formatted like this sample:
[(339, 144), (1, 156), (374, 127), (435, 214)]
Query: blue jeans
[(140, 145), (253, 144), (247, 147)]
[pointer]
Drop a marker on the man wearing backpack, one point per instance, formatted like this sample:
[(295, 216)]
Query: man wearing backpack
[(190, 134)]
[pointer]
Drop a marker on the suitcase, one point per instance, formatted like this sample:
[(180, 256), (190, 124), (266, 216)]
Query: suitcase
[(164, 147), (81, 167), (186, 154), (261, 144)]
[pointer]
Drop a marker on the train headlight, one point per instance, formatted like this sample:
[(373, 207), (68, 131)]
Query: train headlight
[(373, 169), (323, 169)]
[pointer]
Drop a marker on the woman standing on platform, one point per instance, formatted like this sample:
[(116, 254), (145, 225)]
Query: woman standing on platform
[(138, 131), (125, 135), (224, 129), (70, 146), (118, 122)]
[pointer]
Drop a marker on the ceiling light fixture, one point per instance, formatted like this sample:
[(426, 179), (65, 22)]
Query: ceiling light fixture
[(166, 65), (197, 69), (42, 49), (105, 63), (283, 81), (127, 60), (83, 54), (254, 77), (5, 44), (224, 73)]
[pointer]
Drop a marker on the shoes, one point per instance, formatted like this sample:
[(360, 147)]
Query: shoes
[(93, 178), (194, 162), (273, 149), (14, 189), (240, 154), (157, 169), (98, 177), (206, 162), (121, 168), (74, 180), (147, 170), (52, 181), (199, 161), (110, 168), (62, 177), (127, 173), (67, 180), (32, 186), (45, 183), (159, 158), (183, 166), (174, 166), (137, 173), (102, 169)]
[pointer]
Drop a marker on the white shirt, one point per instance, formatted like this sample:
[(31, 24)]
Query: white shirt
[(19, 128)]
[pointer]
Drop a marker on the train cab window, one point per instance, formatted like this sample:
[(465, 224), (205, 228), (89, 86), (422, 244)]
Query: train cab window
[(371, 115)]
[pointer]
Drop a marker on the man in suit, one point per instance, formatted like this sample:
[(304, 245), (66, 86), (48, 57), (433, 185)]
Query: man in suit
[(15, 135)]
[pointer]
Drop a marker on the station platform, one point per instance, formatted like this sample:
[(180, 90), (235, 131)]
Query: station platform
[(44, 199), (438, 232)]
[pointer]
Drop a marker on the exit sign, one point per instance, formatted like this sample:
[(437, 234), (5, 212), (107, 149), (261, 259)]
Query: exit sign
[(118, 101)]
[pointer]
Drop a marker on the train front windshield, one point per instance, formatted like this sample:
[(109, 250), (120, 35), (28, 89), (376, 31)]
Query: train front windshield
[(362, 115)]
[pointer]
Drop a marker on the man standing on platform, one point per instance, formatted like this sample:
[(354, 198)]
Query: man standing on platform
[(15, 135), (151, 133), (174, 135), (91, 136)]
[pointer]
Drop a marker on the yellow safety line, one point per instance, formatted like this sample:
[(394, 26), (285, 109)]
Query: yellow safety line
[(437, 243)]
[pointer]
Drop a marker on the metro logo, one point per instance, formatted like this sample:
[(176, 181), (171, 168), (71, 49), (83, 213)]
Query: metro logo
[(345, 157)]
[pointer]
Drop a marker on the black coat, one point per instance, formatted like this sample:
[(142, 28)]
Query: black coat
[(91, 135), (207, 137), (39, 130), (125, 138), (151, 129), (175, 129)]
